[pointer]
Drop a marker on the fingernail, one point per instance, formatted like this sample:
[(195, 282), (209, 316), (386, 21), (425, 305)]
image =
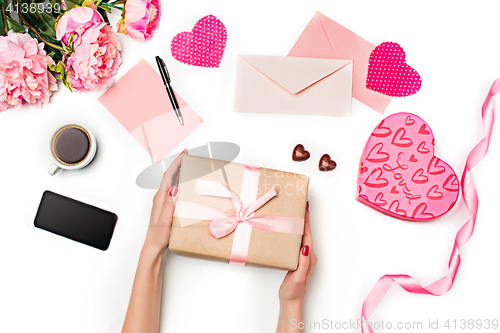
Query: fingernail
[(173, 191), (307, 205), (184, 151), (305, 250)]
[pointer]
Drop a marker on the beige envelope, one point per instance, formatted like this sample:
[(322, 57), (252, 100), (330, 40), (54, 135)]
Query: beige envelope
[(293, 85)]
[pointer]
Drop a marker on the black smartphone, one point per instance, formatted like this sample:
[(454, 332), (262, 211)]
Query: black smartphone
[(75, 220)]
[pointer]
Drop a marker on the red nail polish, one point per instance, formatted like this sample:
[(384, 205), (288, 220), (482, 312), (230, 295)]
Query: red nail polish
[(307, 205), (173, 191), (184, 151), (305, 250)]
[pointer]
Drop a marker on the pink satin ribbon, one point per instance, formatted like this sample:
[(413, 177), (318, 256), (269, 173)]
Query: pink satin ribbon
[(469, 194), (222, 224)]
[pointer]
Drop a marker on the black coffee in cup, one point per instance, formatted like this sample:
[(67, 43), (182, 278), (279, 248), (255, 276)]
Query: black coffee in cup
[(71, 145)]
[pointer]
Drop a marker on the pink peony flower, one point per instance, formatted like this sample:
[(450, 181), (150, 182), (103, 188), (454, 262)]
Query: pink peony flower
[(23, 72), (95, 55), (77, 20), (139, 18)]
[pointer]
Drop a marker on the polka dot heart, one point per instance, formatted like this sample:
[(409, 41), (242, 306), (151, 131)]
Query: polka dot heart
[(203, 46), (389, 74)]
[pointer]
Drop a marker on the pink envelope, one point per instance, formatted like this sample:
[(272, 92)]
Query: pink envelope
[(140, 103), (325, 38), (293, 85)]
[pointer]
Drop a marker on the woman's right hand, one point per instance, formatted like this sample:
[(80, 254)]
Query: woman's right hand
[(160, 223)]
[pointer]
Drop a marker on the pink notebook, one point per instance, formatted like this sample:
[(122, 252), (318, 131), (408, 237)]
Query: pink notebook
[(140, 103)]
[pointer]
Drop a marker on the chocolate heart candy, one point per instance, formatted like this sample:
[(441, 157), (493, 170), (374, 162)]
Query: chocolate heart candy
[(300, 154), (326, 163)]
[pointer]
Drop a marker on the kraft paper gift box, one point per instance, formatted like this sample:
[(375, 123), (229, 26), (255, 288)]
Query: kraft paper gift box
[(217, 198)]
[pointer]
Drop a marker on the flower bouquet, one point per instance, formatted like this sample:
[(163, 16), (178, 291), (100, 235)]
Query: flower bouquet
[(42, 41)]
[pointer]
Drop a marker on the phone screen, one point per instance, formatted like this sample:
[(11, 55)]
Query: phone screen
[(75, 220)]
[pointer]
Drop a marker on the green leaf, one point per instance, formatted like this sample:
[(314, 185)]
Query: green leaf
[(68, 84), (72, 3), (14, 25), (58, 68), (32, 34), (105, 8), (57, 54), (3, 30), (104, 15), (44, 23), (51, 39), (63, 74), (59, 6), (53, 53)]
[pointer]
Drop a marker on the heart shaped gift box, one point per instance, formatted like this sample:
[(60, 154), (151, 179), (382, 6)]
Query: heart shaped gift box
[(399, 174)]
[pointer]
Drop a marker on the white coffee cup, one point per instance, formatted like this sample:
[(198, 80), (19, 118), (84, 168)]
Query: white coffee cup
[(57, 163)]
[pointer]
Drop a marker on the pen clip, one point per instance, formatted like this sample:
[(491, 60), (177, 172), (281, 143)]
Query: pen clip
[(163, 70)]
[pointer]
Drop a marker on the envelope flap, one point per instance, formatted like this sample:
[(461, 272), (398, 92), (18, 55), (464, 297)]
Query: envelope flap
[(294, 73)]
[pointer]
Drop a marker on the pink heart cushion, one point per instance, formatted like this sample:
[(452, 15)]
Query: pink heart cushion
[(388, 72), (203, 46), (399, 174)]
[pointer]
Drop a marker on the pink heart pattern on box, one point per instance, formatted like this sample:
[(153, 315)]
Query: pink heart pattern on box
[(399, 174), (203, 46), (388, 72)]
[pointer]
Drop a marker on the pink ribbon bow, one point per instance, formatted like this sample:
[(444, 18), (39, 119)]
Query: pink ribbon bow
[(222, 224)]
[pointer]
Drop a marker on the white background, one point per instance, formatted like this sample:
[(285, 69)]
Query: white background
[(51, 284)]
